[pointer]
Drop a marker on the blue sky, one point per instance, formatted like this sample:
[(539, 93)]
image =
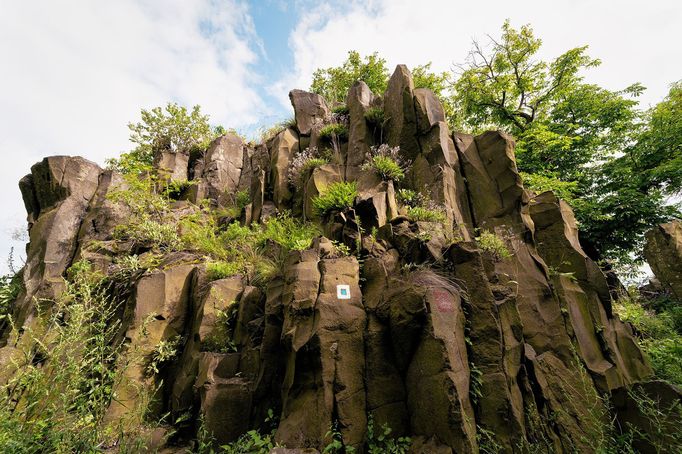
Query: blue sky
[(73, 73)]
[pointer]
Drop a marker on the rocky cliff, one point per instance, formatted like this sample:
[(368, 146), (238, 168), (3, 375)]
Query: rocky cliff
[(421, 325)]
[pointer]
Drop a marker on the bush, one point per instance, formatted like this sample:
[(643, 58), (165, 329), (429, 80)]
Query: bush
[(411, 198), (424, 214), (387, 168), (659, 335), (10, 286), (490, 242), (375, 116), (340, 109), (302, 164), (221, 270), (334, 130), (336, 197), (386, 162), (171, 128), (56, 399), (149, 233)]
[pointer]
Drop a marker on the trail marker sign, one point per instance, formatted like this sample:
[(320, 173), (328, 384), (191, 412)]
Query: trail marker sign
[(343, 291)]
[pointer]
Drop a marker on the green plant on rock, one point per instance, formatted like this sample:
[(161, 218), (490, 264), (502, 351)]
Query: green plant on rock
[(336, 445), (375, 116), (386, 162), (336, 197), (10, 287), (172, 128), (60, 390), (383, 443), (340, 109), (221, 339), (410, 198), (334, 131), (659, 333), (164, 353), (221, 270), (303, 164), (492, 243), (420, 213)]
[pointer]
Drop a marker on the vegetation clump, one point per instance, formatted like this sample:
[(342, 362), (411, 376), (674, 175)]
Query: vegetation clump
[(334, 131), (336, 197), (386, 162), (493, 244), (303, 164)]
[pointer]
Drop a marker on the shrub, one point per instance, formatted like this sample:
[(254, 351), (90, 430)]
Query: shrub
[(164, 353), (490, 242), (386, 162), (340, 109), (221, 270), (336, 197), (10, 286), (302, 164), (334, 130), (221, 339), (659, 335), (411, 198), (172, 128), (56, 399), (420, 213), (383, 443), (148, 232), (375, 116)]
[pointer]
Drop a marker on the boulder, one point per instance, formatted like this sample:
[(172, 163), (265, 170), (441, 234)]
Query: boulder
[(401, 127), (359, 134), (663, 252), (429, 110), (56, 195), (171, 166), (221, 170), (309, 109), (282, 150)]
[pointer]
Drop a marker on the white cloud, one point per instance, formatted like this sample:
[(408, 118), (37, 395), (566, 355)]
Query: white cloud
[(75, 72), (636, 42)]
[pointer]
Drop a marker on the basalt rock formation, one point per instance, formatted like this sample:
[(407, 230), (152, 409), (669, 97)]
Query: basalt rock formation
[(420, 327)]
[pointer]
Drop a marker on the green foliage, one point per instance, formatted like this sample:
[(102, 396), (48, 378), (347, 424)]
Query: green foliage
[(10, 286), (164, 353), (588, 144), (171, 128), (303, 164), (252, 251), (492, 243), (340, 109), (383, 443), (336, 197), (659, 332), (411, 198), (421, 213), (387, 168), (334, 130), (541, 182), (336, 445), (221, 270), (149, 232), (252, 442), (333, 83), (221, 339), (56, 399), (375, 116)]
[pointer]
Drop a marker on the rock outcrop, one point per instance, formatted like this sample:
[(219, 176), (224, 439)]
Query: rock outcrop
[(422, 328), (663, 252)]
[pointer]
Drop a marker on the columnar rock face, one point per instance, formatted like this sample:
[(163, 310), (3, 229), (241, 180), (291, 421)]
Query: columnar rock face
[(421, 328), (663, 251)]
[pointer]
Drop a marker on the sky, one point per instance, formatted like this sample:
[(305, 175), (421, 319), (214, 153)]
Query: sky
[(74, 73)]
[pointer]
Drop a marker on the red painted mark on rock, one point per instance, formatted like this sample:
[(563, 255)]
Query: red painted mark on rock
[(444, 301)]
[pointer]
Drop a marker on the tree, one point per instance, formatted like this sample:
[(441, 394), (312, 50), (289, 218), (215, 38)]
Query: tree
[(575, 138), (172, 128), (333, 83)]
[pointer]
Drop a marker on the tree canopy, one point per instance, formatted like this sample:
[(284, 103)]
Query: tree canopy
[(616, 164), (173, 128)]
